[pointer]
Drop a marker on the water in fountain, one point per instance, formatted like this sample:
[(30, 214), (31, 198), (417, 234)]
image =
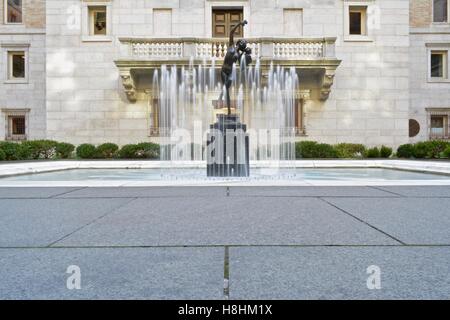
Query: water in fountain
[(266, 104)]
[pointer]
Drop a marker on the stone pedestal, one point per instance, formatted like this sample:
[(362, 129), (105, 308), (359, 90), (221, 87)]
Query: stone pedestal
[(228, 148)]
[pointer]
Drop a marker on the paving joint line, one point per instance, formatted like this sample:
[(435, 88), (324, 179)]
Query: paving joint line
[(226, 274), (92, 222), (232, 246), (67, 192), (391, 192), (362, 221)]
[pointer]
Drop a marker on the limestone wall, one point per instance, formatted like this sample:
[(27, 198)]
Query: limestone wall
[(369, 102), (30, 95)]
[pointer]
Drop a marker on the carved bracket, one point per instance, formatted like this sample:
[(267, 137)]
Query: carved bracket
[(327, 83), (129, 85), (303, 95)]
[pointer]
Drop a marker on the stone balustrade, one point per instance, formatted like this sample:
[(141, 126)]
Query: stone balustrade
[(265, 48)]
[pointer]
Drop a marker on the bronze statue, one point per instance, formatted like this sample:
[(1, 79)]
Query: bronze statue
[(235, 53)]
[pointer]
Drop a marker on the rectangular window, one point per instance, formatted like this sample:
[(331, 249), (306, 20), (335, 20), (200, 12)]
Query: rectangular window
[(16, 65), (225, 20), (162, 22), (440, 11), (299, 127), (357, 20), (97, 21), (17, 125), (439, 126), (14, 11), (438, 64)]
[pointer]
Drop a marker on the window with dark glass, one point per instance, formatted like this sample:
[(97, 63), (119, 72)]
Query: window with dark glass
[(355, 23), (440, 10), (16, 65), (438, 64), (14, 11), (98, 23), (18, 125)]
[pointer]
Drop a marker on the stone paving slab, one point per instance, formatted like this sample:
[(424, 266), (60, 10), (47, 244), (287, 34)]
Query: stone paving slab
[(135, 273), (146, 192), (23, 193), (39, 222), (339, 273), (149, 192), (309, 192), (411, 220), (419, 191), (227, 220)]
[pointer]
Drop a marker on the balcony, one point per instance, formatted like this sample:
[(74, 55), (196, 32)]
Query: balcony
[(314, 58)]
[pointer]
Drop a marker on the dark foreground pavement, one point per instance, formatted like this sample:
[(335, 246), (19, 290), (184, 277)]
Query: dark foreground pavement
[(182, 243)]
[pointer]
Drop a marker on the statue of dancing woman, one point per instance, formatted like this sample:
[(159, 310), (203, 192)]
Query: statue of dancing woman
[(235, 53)]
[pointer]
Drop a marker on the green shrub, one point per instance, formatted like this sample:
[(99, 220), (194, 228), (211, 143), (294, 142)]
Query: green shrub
[(373, 153), (305, 149), (40, 149), (430, 149), (436, 149), (2, 155), (14, 151), (314, 150), (385, 152), (86, 151), (107, 150), (405, 151), (421, 150), (447, 152), (147, 150), (64, 150), (350, 150), (128, 151), (325, 151)]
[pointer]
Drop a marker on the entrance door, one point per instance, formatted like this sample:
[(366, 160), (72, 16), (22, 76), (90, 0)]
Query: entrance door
[(225, 20)]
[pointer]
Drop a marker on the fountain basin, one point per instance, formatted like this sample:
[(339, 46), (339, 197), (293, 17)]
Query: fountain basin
[(156, 173)]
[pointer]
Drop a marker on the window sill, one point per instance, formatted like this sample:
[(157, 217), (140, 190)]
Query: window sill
[(441, 24), (438, 80), (439, 138), (16, 138), (16, 81), (355, 38), (96, 38)]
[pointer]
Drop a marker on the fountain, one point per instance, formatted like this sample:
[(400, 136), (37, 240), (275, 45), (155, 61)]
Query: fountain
[(228, 143), (255, 123)]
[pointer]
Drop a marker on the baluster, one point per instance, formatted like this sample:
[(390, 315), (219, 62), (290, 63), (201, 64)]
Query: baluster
[(225, 49), (197, 49), (148, 50)]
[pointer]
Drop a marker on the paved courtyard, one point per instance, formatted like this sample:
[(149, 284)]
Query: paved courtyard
[(184, 243)]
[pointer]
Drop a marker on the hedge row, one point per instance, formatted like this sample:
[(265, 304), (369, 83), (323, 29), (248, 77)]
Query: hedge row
[(34, 150), (144, 150), (421, 150), (315, 150), (425, 150), (48, 149)]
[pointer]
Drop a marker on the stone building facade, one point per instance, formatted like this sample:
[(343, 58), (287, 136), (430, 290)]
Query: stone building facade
[(364, 65), (22, 94), (429, 81)]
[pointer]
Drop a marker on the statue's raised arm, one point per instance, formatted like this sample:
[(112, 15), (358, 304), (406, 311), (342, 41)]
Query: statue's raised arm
[(233, 31)]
